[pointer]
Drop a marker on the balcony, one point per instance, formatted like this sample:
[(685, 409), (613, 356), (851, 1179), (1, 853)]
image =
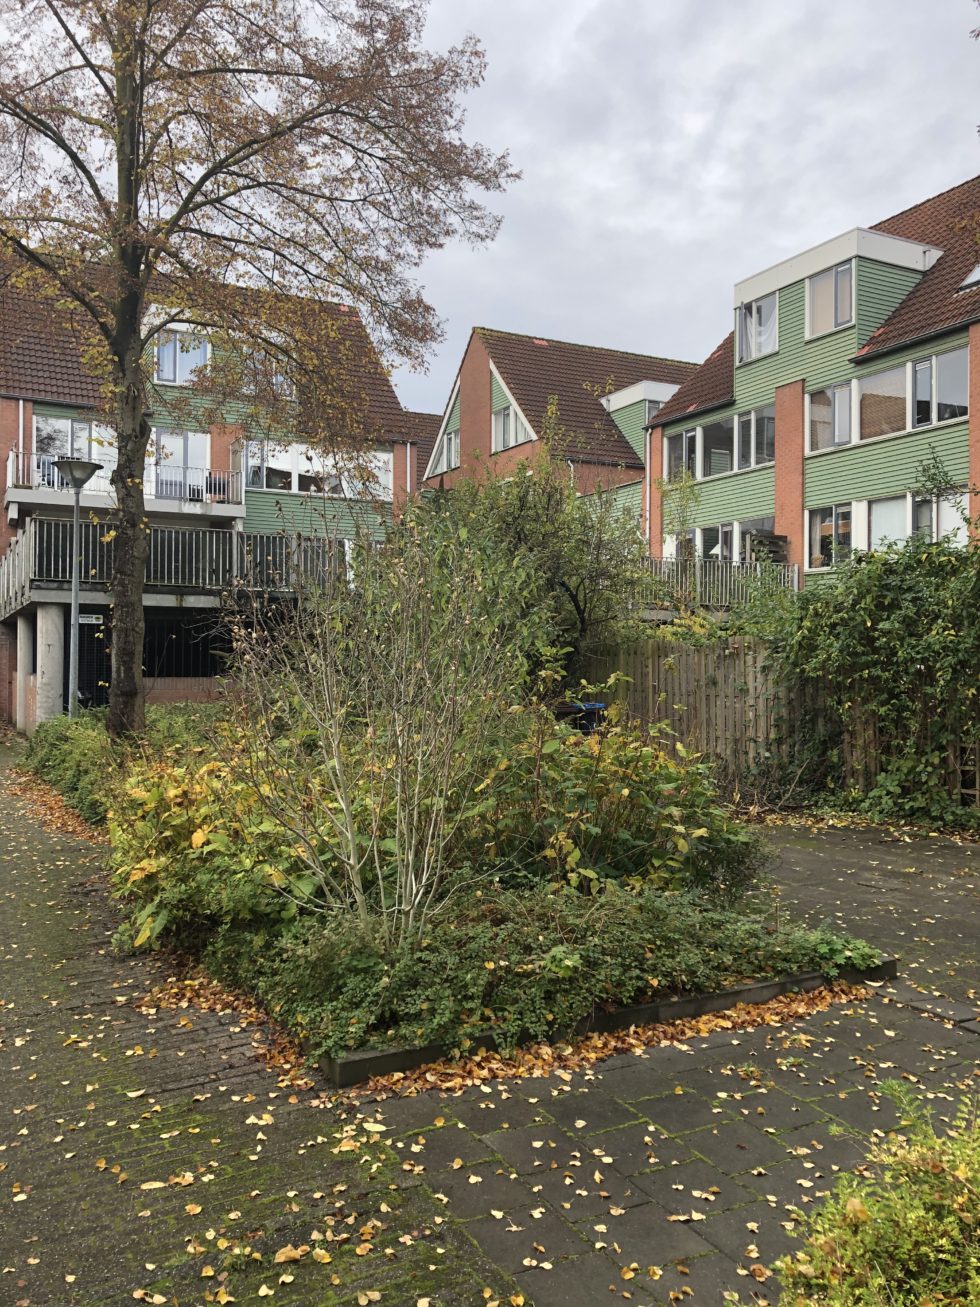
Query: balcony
[(167, 487), (712, 583), (186, 564)]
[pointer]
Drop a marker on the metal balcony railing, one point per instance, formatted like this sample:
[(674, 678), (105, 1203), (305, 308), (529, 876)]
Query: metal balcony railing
[(181, 559), (163, 482), (713, 583)]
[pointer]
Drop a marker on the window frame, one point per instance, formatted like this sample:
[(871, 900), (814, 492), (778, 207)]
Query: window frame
[(740, 337), (175, 330), (843, 506), (834, 271)]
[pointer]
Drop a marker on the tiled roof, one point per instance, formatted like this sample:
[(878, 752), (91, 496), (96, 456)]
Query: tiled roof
[(951, 222), (712, 385), (41, 359), (534, 369), (423, 428)]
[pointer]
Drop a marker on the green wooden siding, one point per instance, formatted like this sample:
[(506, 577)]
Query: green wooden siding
[(453, 423), (628, 499), (881, 287), (886, 466), (741, 495), (270, 510), (631, 419), (955, 340), (498, 396)]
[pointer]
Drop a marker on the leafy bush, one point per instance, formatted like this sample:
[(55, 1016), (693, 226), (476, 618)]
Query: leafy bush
[(906, 1236), (518, 964)]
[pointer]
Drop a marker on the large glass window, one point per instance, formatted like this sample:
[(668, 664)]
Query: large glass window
[(941, 516), (830, 417), (717, 447), (717, 542), (64, 437), (765, 434), (508, 429), (951, 385), (758, 328), (830, 300), (445, 454), (888, 521), (830, 535), (745, 440), (177, 465), (882, 403), (757, 543), (179, 355)]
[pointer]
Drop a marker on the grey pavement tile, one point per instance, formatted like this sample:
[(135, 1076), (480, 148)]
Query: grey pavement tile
[(526, 1235), (640, 1147), (591, 1278), (737, 1146), (531, 1148), (590, 1111), (437, 1148), (466, 1200), (646, 1236), (588, 1190), (696, 1184), (678, 1114), (749, 1234)]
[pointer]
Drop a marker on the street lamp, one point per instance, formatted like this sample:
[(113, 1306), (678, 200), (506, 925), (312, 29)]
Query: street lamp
[(78, 472)]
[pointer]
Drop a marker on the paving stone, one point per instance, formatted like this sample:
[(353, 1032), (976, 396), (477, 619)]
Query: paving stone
[(729, 1232), (438, 1147), (640, 1147), (468, 1200), (678, 1114), (532, 1148), (595, 1108), (575, 1192), (581, 1280), (675, 1187), (737, 1146), (521, 1237), (646, 1236)]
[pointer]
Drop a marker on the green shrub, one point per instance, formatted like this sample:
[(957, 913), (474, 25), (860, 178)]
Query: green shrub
[(75, 757), (907, 1235), (518, 964)]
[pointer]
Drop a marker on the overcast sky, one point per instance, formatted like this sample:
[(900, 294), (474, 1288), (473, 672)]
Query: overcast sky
[(670, 148)]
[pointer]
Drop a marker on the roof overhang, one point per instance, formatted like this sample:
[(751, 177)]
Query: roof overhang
[(656, 390), (860, 242)]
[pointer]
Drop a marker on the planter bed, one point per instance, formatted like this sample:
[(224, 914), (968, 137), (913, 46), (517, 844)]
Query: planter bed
[(362, 1064)]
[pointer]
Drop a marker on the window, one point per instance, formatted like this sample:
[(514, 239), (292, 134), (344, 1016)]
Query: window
[(717, 542), (888, 521), (758, 328), (830, 300), (301, 469), (830, 535), (951, 385), (57, 437), (508, 429), (717, 447), (682, 454), (445, 454), (179, 354), (830, 417), (757, 436), (922, 393), (882, 403), (941, 517), (653, 407), (757, 539), (177, 465), (264, 372)]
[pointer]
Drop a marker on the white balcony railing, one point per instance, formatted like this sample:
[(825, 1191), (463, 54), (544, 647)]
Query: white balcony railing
[(164, 482), (713, 583)]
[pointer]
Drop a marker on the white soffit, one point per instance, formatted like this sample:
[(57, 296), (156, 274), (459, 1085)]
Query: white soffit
[(860, 242)]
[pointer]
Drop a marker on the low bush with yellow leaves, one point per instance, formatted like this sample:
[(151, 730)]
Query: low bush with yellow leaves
[(905, 1235)]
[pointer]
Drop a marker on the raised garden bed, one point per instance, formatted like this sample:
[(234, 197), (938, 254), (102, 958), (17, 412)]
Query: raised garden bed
[(353, 1068)]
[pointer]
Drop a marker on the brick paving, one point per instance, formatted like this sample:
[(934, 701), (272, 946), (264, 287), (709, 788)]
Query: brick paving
[(557, 1190)]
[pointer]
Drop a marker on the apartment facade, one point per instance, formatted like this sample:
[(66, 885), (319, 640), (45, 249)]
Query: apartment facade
[(223, 508), (851, 367), (591, 406)]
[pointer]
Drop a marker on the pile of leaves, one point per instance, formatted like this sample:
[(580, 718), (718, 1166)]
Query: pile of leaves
[(908, 1233)]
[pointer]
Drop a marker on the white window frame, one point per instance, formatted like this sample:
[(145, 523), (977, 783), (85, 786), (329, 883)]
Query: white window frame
[(177, 329), (445, 456), (518, 425), (851, 507), (835, 269), (294, 457), (861, 513), (740, 312), (686, 434)]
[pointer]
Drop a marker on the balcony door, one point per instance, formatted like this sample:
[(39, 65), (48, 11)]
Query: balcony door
[(177, 465), (63, 437)]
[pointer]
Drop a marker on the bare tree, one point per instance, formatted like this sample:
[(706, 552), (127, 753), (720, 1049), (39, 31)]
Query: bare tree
[(157, 156)]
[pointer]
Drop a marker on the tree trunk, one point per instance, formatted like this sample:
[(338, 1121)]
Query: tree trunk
[(132, 546)]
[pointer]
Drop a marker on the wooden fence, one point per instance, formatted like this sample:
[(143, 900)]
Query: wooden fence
[(720, 699)]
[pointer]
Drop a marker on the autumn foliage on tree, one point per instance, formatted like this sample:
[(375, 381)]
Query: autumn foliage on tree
[(241, 168)]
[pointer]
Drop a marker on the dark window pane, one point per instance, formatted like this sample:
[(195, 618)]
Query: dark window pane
[(842, 306), (710, 542), (951, 385), (821, 537), (821, 420), (745, 440), (842, 415), (675, 456), (717, 447), (765, 434), (922, 393)]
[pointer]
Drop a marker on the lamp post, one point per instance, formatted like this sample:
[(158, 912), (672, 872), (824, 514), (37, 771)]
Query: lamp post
[(78, 472)]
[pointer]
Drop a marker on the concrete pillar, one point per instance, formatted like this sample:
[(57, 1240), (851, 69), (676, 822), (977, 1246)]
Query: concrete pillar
[(50, 697), (25, 661)]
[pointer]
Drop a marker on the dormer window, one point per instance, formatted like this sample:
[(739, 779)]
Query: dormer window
[(445, 455), (180, 352), (758, 328), (971, 281), (830, 300)]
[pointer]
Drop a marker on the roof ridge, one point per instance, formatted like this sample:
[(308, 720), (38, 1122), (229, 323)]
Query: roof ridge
[(892, 217), (576, 344)]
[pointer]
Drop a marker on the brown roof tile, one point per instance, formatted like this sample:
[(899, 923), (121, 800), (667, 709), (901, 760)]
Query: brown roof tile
[(423, 428), (534, 369), (950, 221), (712, 385)]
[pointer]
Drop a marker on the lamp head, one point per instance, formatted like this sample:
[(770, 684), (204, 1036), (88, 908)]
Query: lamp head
[(78, 472)]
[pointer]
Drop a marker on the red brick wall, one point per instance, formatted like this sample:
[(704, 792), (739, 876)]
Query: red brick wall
[(655, 472), (8, 668), (789, 469), (589, 477), (9, 427), (974, 400)]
